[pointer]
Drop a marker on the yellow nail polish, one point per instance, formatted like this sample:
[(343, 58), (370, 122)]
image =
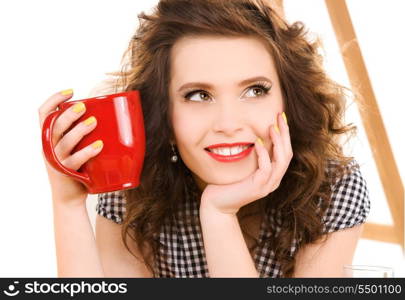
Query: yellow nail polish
[(89, 121), (284, 117), (97, 144), (78, 107), (259, 140), (276, 128), (67, 92)]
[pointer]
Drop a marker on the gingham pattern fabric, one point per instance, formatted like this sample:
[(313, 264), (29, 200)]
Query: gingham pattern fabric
[(183, 244)]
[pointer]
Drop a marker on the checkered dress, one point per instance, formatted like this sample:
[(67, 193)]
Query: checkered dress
[(184, 244)]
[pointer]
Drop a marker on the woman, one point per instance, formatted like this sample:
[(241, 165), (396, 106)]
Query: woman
[(243, 174)]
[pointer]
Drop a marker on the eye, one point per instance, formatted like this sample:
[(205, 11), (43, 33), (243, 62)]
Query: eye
[(258, 90), (197, 96), (255, 91)]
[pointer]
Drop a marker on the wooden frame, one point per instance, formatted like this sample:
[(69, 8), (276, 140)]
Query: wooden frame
[(373, 125)]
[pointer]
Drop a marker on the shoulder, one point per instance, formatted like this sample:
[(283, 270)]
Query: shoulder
[(111, 206), (350, 204)]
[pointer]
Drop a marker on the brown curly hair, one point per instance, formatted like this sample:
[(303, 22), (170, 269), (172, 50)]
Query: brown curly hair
[(313, 103)]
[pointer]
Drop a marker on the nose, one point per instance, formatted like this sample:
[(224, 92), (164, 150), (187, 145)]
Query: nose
[(229, 118)]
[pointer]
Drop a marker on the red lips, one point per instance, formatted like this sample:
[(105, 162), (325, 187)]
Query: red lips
[(228, 145), (230, 158)]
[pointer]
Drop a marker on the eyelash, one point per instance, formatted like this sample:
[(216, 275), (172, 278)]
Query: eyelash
[(265, 87)]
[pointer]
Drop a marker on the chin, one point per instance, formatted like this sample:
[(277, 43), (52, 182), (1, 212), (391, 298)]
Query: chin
[(229, 178)]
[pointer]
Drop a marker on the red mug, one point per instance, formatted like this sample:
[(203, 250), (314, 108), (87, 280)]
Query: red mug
[(121, 128)]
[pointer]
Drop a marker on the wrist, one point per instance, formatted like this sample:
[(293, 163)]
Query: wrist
[(69, 204), (206, 208)]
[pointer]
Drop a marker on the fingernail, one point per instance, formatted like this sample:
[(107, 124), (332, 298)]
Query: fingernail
[(259, 140), (276, 128), (67, 92), (284, 117), (78, 107), (89, 121), (97, 144)]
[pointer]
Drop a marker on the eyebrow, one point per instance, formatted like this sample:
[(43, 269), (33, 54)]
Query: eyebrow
[(209, 86)]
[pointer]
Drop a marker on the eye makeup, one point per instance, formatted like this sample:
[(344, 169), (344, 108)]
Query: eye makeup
[(264, 86)]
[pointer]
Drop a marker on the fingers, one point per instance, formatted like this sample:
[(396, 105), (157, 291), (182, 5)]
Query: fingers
[(272, 170), (285, 134), (65, 120), (278, 146), (76, 160), (282, 151), (64, 142), (52, 103), (264, 163), (69, 141)]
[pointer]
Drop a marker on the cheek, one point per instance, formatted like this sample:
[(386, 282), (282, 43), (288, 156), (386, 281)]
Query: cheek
[(188, 128)]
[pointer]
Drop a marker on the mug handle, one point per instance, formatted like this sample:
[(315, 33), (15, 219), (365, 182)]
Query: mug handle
[(49, 151)]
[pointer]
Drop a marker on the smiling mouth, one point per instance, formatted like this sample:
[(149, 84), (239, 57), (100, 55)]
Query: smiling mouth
[(229, 151), (230, 154)]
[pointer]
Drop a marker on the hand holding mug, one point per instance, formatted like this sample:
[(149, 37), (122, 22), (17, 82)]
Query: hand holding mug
[(99, 141), (64, 141)]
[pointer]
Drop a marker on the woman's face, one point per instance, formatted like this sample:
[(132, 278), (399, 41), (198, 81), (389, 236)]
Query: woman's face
[(218, 94)]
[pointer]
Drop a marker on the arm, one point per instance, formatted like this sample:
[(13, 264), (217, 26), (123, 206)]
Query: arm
[(76, 251), (225, 248), (117, 261), (115, 258), (230, 257), (326, 259)]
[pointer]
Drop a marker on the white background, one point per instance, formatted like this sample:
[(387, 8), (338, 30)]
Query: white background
[(47, 46)]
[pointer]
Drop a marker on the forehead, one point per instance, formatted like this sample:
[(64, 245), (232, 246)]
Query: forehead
[(213, 58)]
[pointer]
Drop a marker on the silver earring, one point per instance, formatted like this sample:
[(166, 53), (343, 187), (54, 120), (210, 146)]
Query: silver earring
[(174, 157)]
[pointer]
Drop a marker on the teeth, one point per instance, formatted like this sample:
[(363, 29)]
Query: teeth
[(226, 151)]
